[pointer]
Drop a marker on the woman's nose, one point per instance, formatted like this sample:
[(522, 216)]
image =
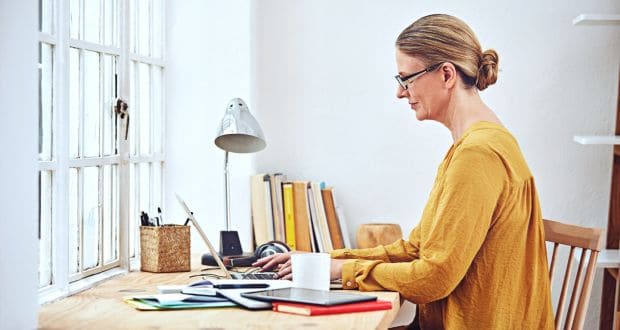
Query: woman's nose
[(401, 92)]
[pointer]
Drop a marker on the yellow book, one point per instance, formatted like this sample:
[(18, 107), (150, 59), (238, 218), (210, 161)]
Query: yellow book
[(289, 214), (303, 238)]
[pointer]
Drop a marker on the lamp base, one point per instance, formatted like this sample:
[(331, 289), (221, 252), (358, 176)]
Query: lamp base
[(230, 245)]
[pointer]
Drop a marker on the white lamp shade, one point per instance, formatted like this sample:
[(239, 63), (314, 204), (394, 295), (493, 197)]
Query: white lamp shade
[(239, 131)]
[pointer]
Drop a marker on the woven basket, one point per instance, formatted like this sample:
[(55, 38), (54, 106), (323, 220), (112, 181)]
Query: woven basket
[(165, 249)]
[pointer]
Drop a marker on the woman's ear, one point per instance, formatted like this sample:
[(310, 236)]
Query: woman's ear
[(448, 71)]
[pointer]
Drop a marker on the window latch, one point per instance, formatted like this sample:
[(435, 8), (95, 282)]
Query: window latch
[(121, 108)]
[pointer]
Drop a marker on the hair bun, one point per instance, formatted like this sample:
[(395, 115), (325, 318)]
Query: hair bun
[(487, 71)]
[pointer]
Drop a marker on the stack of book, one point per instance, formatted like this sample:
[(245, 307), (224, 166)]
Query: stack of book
[(302, 214)]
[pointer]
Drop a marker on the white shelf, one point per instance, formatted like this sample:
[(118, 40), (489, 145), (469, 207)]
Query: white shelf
[(598, 139), (596, 19), (608, 259)]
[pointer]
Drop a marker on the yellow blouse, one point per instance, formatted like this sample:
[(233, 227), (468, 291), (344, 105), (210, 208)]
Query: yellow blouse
[(477, 258)]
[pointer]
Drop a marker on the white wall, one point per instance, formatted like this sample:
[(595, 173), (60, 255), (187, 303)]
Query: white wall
[(324, 92), (208, 64), (18, 172)]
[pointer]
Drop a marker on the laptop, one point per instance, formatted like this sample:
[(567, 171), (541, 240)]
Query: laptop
[(227, 274), (232, 278)]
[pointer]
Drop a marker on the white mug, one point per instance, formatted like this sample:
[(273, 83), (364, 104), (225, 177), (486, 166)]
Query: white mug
[(311, 270)]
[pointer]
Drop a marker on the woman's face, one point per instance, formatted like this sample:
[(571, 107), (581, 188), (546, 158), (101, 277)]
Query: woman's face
[(426, 94)]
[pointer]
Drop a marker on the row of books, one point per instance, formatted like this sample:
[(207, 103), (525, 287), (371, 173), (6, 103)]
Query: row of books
[(303, 214)]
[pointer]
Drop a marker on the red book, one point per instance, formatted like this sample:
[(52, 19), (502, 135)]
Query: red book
[(310, 310)]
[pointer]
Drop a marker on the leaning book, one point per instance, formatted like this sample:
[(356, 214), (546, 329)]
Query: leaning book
[(312, 310)]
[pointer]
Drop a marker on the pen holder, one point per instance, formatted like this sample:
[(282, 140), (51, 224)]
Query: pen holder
[(165, 249)]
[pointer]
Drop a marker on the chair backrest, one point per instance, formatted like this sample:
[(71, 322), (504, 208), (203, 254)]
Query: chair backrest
[(590, 241)]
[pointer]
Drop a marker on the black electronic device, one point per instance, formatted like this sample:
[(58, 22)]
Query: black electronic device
[(308, 296), (246, 259), (230, 245)]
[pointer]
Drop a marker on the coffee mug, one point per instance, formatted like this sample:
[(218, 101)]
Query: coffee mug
[(311, 270)]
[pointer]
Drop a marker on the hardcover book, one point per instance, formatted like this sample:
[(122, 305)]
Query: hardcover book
[(332, 218), (311, 310), (302, 216), (289, 214)]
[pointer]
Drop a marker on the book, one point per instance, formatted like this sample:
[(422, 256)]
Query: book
[(314, 222), (259, 209), (303, 240), (277, 207), (332, 219), (175, 301), (268, 208), (312, 310), (322, 218), (289, 214)]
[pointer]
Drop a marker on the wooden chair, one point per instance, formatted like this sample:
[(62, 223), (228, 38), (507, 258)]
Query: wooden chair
[(590, 241)]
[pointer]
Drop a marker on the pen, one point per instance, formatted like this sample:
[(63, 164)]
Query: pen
[(161, 217), (242, 286), (144, 219), (209, 284), (188, 219)]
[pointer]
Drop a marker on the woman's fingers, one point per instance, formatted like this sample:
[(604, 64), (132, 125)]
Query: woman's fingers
[(262, 261), (285, 271), (288, 277), (270, 262)]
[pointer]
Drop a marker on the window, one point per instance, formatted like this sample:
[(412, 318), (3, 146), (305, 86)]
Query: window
[(97, 168)]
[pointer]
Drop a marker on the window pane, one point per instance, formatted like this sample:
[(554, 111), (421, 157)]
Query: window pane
[(157, 109), (133, 210), (110, 214), (74, 19), (91, 104), (109, 22), (145, 189), (90, 217), (109, 124), (74, 229), (132, 25), (45, 228), (157, 28), (144, 105), (45, 101), (134, 112), (144, 32), (92, 20), (46, 19), (74, 102)]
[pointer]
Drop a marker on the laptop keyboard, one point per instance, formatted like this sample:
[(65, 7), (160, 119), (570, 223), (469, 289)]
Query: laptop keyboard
[(257, 276)]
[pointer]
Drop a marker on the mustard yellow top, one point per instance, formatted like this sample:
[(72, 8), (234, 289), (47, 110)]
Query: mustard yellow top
[(477, 258)]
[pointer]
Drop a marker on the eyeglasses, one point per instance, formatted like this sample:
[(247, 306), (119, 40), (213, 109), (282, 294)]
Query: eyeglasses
[(406, 80)]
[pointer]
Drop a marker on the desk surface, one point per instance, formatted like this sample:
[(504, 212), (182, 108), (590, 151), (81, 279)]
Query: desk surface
[(102, 307)]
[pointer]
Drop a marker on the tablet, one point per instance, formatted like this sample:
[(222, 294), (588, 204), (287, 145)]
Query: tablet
[(308, 296)]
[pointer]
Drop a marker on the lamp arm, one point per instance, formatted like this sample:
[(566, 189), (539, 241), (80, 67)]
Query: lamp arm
[(227, 191)]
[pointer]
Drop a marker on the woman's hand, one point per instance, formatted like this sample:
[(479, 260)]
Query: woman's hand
[(335, 271), (281, 264)]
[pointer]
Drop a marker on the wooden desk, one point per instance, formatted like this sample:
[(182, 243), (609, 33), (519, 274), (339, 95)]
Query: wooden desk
[(102, 307)]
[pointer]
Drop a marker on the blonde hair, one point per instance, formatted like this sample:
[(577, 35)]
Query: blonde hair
[(443, 38)]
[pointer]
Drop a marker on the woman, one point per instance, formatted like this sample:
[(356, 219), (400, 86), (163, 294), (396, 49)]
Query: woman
[(477, 258)]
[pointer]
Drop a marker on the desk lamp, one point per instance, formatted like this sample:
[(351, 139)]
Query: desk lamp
[(238, 132)]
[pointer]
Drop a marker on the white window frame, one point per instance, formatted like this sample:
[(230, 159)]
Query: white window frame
[(65, 284)]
